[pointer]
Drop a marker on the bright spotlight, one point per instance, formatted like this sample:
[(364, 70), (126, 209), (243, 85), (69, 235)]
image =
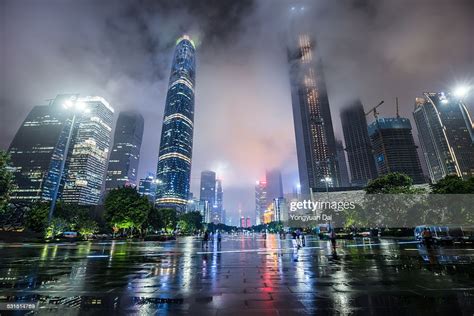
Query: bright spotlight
[(461, 91)]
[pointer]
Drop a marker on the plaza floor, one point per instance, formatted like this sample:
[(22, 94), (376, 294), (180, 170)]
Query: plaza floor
[(247, 276)]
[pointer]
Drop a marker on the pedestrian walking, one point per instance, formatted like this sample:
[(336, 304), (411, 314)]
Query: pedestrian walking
[(293, 240), (332, 237), (205, 239), (219, 239), (298, 238)]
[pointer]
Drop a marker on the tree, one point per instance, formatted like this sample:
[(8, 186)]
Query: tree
[(126, 209), (87, 227), (453, 185), (389, 200), (155, 221), (392, 183), (6, 180), (452, 198), (169, 218), (37, 217), (190, 222)]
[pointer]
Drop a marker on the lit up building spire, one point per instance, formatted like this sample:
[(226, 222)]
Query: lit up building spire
[(176, 144)]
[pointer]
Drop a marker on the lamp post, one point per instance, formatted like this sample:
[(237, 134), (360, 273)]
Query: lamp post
[(77, 107), (327, 180), (461, 92)]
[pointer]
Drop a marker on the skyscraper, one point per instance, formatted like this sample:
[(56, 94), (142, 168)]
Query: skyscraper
[(208, 187), (147, 187), (274, 185), (358, 147), (261, 202), (315, 142), (219, 204), (341, 162), (87, 159), (394, 147), (124, 158), (176, 144), (446, 134), (38, 149)]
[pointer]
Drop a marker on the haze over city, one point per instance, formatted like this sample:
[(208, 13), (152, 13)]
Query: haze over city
[(373, 50)]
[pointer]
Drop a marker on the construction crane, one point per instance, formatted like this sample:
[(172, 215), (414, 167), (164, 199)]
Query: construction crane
[(374, 109)]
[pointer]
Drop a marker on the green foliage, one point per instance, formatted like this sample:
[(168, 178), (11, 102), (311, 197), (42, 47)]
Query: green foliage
[(169, 218), (87, 227), (37, 217), (6, 180), (155, 220), (392, 183), (453, 185), (57, 227), (190, 222), (126, 209)]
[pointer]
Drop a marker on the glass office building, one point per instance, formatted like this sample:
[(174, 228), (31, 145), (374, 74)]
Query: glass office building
[(446, 134), (176, 143), (38, 149), (125, 155), (87, 159)]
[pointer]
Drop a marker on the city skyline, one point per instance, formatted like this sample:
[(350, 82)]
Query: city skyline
[(263, 145)]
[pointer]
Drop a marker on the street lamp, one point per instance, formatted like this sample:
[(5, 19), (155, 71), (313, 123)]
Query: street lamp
[(78, 107), (327, 180)]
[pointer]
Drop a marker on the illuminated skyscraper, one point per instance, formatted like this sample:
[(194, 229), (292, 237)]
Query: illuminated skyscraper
[(147, 187), (446, 134), (315, 142), (261, 201), (219, 204), (176, 144), (87, 159), (38, 149), (124, 158)]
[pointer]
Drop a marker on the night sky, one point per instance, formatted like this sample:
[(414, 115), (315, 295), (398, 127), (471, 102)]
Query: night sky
[(122, 50)]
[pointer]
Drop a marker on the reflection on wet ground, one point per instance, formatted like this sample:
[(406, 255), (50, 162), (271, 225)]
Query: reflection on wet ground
[(249, 274)]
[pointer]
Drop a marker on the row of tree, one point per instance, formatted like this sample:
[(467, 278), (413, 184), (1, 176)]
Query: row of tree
[(125, 213)]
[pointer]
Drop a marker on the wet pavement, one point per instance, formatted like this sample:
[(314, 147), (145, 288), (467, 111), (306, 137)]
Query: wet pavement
[(248, 276)]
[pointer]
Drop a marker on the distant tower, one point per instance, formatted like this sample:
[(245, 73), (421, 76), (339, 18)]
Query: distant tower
[(219, 204), (446, 134), (315, 142), (125, 155), (274, 185), (176, 144), (394, 147), (358, 147), (208, 187), (87, 161), (261, 202)]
